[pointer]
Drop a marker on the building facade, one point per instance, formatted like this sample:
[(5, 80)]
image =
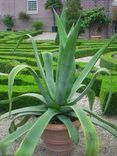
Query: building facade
[(36, 10)]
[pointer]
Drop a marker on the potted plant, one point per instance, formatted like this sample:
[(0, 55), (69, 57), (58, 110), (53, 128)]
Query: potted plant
[(53, 4), (24, 16), (37, 25), (59, 102), (8, 21)]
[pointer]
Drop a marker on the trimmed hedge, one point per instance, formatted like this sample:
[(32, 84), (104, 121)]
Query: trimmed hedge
[(18, 90), (7, 65), (85, 52), (108, 61), (98, 82), (29, 80), (105, 89), (24, 54), (8, 36)]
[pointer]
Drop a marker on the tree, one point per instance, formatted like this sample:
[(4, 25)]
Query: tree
[(95, 17), (53, 4), (73, 12)]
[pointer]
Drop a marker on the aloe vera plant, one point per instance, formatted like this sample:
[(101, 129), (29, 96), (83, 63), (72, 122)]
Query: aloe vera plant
[(57, 98)]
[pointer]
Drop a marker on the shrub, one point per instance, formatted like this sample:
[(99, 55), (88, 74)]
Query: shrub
[(37, 25), (8, 21), (24, 16)]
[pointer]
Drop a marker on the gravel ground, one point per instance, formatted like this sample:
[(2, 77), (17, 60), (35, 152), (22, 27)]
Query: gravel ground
[(108, 144), (107, 141), (87, 59), (46, 36)]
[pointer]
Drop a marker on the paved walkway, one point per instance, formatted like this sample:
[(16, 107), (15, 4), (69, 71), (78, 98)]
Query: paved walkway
[(46, 36)]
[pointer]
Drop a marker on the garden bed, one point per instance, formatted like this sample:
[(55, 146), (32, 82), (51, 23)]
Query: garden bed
[(24, 54)]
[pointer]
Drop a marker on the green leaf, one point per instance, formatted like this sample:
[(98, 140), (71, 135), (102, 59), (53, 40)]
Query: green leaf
[(12, 76), (109, 96), (3, 74), (88, 88), (91, 98), (88, 68), (26, 116), (13, 127), (39, 65), (63, 17), (33, 95), (77, 27), (101, 119), (19, 42), (91, 139), (10, 138), (96, 119), (66, 68), (24, 110), (48, 66), (61, 30), (61, 24), (72, 131), (38, 61), (105, 126), (34, 134)]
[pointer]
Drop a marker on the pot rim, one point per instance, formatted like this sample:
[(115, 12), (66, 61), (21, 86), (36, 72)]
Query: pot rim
[(61, 127)]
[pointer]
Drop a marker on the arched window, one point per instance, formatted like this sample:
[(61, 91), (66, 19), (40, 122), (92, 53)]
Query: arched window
[(32, 6)]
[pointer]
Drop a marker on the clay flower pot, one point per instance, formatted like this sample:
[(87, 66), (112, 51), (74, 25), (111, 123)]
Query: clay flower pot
[(56, 139)]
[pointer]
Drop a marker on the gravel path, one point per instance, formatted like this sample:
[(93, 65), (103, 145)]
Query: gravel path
[(46, 36), (87, 59), (108, 142)]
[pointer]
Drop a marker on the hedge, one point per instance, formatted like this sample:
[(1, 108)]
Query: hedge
[(18, 90), (21, 59), (24, 53), (85, 52), (19, 80), (105, 89), (14, 35), (108, 61)]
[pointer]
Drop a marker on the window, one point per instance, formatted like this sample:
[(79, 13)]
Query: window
[(32, 6)]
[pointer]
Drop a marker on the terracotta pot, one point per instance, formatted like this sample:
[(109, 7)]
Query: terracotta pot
[(56, 139)]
